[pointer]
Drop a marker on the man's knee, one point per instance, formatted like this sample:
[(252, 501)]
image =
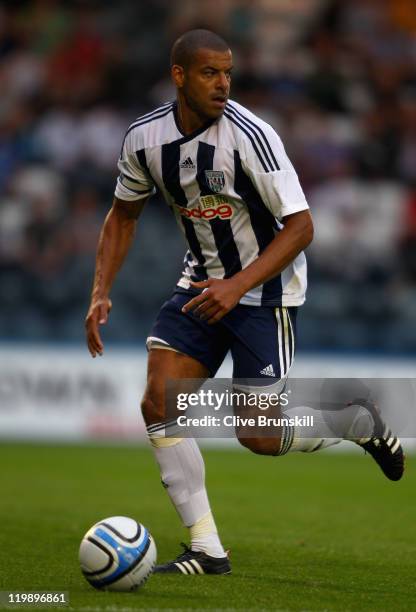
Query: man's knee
[(153, 409), (261, 446)]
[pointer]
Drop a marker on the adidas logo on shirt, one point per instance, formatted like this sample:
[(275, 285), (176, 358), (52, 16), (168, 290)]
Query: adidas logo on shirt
[(187, 163), (268, 370)]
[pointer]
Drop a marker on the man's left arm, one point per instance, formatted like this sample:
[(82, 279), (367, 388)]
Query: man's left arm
[(279, 189), (220, 296)]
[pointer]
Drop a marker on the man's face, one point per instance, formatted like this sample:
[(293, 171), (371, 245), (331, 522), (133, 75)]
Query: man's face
[(205, 84)]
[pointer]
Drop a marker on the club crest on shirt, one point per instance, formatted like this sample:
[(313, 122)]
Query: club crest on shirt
[(215, 180)]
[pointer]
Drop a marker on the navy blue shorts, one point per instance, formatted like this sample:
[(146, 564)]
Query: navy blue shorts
[(261, 338)]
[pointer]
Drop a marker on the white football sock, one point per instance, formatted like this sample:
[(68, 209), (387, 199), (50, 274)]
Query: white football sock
[(204, 536), (183, 475), (353, 423)]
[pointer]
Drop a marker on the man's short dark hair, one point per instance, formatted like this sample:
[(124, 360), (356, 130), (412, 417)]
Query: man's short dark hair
[(188, 44)]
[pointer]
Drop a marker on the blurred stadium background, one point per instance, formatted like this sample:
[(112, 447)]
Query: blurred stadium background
[(336, 79)]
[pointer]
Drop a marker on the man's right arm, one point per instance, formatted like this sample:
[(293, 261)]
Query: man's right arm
[(115, 239)]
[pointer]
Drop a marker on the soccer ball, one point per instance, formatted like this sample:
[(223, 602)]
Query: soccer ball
[(117, 554)]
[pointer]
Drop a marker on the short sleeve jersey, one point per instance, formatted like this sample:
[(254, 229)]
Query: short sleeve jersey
[(229, 185)]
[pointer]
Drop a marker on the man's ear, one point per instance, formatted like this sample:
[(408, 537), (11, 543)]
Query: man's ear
[(178, 75)]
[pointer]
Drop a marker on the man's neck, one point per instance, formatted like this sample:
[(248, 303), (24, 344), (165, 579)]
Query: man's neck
[(189, 120)]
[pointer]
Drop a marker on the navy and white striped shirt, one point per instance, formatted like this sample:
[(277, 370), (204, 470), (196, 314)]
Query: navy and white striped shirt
[(229, 185)]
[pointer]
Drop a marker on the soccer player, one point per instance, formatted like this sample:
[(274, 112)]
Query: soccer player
[(237, 199)]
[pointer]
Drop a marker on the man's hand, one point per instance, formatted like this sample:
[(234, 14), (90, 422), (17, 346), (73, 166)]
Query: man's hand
[(219, 296), (97, 315)]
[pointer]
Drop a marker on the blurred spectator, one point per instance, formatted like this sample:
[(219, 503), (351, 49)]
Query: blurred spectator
[(58, 137)]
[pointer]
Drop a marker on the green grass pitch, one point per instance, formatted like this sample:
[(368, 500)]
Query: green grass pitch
[(306, 532)]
